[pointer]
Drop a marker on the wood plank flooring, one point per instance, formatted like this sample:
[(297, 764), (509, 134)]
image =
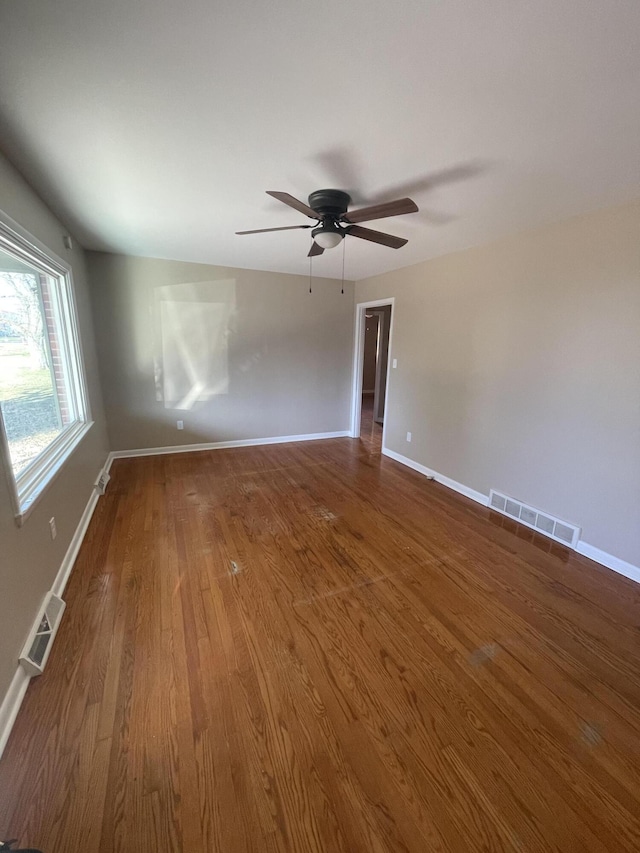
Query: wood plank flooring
[(311, 648), (370, 431)]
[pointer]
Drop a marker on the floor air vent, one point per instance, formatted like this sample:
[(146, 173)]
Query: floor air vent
[(101, 482), (38, 646), (544, 523)]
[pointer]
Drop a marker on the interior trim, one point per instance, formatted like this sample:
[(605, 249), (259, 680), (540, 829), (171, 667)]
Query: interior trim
[(11, 704), (609, 561), (221, 445), (15, 694), (440, 478)]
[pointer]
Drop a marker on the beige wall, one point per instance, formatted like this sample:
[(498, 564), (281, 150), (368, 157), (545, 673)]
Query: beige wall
[(29, 559), (519, 369), (276, 363), (370, 352), (384, 314)]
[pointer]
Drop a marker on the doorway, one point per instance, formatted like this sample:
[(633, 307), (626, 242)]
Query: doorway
[(371, 363)]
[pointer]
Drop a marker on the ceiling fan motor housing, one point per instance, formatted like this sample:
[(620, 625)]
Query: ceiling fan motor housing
[(330, 204)]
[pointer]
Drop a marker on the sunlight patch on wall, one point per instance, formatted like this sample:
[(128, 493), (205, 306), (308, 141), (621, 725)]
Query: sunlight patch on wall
[(191, 353)]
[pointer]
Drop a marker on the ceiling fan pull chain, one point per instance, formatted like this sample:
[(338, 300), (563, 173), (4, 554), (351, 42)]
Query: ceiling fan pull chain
[(310, 261), (344, 242)]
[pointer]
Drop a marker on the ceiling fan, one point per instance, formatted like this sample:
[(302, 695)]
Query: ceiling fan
[(334, 221)]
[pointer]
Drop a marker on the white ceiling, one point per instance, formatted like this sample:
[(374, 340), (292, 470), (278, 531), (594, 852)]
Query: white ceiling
[(154, 127)]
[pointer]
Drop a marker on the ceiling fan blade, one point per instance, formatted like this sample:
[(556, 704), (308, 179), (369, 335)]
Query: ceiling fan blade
[(376, 236), (264, 230), (380, 211), (315, 250), (293, 202)]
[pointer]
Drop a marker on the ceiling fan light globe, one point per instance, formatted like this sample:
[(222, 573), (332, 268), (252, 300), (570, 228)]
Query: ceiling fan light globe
[(328, 239)]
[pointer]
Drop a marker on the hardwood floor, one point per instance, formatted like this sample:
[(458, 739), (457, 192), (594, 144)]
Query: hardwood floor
[(370, 431), (311, 648)]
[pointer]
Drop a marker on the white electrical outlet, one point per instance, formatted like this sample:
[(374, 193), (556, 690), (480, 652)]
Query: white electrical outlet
[(395, 363), (52, 528), (180, 424), (408, 436)]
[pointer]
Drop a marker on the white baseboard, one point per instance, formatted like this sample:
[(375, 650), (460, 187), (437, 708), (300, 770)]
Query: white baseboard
[(439, 478), (222, 445), (74, 546), (18, 687), (11, 705), (596, 554), (620, 566)]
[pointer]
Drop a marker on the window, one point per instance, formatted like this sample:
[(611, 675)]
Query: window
[(43, 401)]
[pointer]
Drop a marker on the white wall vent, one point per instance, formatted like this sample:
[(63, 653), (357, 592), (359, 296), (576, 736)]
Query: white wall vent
[(101, 482), (36, 650), (556, 529)]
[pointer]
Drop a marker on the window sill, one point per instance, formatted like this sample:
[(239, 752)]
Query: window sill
[(33, 482)]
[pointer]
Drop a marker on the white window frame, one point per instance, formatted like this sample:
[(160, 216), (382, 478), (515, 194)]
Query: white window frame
[(31, 483)]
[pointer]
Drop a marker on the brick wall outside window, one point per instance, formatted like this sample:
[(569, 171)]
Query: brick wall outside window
[(56, 356)]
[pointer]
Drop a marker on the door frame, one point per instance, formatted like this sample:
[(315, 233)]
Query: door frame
[(358, 362)]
